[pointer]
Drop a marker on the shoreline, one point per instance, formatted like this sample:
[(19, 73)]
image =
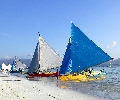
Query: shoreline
[(19, 88)]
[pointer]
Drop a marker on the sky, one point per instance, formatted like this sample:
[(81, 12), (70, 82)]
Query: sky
[(21, 20)]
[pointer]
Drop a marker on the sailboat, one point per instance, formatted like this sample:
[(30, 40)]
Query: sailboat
[(81, 53), (18, 66), (44, 58), (9, 67), (6, 68)]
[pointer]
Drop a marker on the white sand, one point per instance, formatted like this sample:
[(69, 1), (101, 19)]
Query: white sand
[(13, 89)]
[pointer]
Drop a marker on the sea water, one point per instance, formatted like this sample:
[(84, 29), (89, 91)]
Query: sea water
[(108, 89)]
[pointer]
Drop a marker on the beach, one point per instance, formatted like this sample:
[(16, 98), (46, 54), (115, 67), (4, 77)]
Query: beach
[(20, 88)]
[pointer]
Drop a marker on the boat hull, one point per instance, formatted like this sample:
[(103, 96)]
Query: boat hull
[(55, 74), (82, 77), (76, 78), (14, 71)]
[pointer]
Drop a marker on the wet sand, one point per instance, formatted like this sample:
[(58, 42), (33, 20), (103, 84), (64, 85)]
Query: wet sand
[(19, 88)]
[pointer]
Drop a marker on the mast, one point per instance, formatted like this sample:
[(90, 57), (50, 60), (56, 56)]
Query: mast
[(39, 51)]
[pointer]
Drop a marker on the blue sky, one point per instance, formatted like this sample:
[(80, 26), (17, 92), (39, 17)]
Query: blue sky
[(20, 20)]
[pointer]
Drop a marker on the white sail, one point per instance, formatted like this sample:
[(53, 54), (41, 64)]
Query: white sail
[(9, 67), (48, 57), (44, 57), (19, 64), (34, 65), (4, 67)]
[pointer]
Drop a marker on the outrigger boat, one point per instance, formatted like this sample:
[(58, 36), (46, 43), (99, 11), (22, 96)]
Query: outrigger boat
[(44, 58), (81, 53), (18, 66), (5, 68)]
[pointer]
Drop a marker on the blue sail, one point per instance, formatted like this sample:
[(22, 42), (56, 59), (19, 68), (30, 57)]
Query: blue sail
[(13, 67), (85, 53), (82, 52), (66, 63)]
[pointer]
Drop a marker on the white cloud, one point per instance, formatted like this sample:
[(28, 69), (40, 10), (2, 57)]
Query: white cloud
[(108, 46), (112, 45), (7, 57), (30, 54)]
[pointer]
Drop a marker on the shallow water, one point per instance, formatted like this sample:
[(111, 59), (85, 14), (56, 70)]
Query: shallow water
[(108, 88)]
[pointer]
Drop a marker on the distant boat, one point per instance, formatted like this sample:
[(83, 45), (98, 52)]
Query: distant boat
[(44, 58), (5, 68), (18, 66), (9, 67), (81, 53)]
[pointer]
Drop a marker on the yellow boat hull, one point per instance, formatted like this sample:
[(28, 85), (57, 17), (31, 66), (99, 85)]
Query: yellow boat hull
[(79, 78), (70, 77)]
